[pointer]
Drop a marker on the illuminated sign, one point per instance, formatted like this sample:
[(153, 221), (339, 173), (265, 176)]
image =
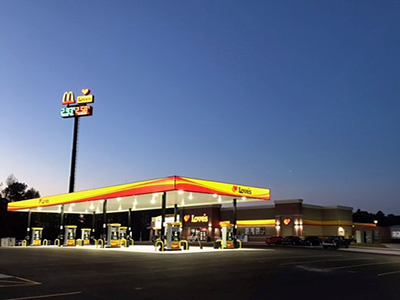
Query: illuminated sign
[(241, 190), (196, 219), (68, 112), (395, 234), (85, 110), (85, 99), (68, 98), (286, 221), (76, 111), (78, 108)]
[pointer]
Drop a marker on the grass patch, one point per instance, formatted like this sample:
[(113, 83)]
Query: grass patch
[(373, 245)]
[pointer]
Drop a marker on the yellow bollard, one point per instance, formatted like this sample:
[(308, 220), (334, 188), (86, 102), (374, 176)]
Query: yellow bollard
[(57, 243), (222, 243), (100, 243), (240, 243), (123, 242), (45, 242), (24, 243), (159, 242), (183, 242), (132, 242)]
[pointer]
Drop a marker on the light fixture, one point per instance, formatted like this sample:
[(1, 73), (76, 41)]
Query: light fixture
[(97, 210), (190, 196), (219, 198), (91, 206), (215, 195), (182, 202), (120, 208), (70, 208), (155, 194), (243, 198), (134, 206), (86, 211), (39, 208), (119, 199), (153, 201), (72, 204), (180, 192)]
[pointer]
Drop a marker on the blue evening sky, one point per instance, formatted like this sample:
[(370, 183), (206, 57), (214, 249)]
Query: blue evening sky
[(302, 97)]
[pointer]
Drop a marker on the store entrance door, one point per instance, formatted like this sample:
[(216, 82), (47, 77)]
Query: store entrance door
[(200, 233)]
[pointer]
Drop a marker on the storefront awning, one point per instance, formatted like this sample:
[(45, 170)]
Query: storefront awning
[(145, 195)]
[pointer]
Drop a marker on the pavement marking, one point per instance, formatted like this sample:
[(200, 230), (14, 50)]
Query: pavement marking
[(388, 273), (314, 269), (12, 281), (316, 261), (286, 257), (45, 296), (363, 265)]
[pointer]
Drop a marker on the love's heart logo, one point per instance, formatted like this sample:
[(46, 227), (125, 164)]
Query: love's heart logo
[(85, 91), (186, 218), (286, 221), (234, 188)]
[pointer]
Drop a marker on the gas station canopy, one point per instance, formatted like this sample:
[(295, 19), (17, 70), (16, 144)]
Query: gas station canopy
[(144, 195)]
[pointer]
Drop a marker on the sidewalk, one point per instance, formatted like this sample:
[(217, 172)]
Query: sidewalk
[(393, 249)]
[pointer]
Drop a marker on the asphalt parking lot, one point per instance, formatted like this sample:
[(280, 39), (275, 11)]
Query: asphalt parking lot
[(266, 273)]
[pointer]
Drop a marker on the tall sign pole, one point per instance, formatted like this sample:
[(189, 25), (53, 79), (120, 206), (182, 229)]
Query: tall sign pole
[(74, 109), (73, 156)]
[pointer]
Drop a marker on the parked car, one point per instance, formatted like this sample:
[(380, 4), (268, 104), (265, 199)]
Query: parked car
[(312, 241), (292, 240), (336, 242), (274, 240)]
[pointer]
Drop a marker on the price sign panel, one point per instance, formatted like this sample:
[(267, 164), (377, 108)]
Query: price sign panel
[(68, 112), (84, 110)]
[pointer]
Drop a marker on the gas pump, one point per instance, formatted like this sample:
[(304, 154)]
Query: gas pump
[(86, 236), (37, 236), (173, 236), (123, 236), (227, 236), (113, 235), (70, 235)]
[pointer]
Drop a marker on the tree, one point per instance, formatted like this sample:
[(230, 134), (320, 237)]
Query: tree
[(17, 191)]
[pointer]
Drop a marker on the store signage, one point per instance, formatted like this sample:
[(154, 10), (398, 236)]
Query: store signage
[(85, 99), (241, 190), (395, 234), (76, 111), (286, 221), (68, 98), (196, 219), (78, 108)]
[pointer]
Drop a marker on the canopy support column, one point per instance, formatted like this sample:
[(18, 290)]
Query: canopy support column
[(163, 208), (105, 219), (129, 233), (61, 232), (28, 227), (175, 212), (234, 221), (93, 224)]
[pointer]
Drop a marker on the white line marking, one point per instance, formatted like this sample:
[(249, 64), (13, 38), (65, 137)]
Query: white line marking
[(287, 257), (315, 261), (363, 265), (388, 273), (45, 296)]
